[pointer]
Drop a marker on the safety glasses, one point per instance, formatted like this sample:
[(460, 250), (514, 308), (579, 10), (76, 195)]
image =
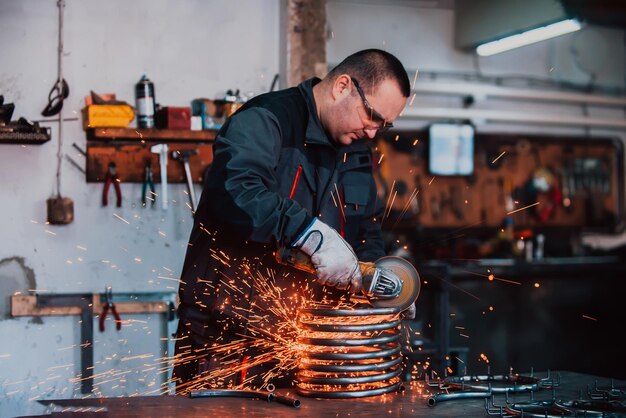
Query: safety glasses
[(380, 124), (59, 92)]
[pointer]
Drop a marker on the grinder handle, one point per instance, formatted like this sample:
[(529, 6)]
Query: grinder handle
[(295, 258)]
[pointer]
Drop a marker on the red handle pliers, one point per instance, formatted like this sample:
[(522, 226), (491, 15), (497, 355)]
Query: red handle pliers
[(111, 177), (109, 306)]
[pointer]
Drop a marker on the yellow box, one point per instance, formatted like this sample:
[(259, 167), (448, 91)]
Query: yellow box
[(107, 116)]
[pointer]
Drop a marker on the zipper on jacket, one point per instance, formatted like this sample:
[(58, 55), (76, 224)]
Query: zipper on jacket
[(341, 197), (295, 182)]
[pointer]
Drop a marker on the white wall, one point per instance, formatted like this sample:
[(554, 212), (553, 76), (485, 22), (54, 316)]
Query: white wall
[(189, 49)]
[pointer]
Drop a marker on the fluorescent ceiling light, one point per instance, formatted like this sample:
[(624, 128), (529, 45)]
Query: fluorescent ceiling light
[(529, 37)]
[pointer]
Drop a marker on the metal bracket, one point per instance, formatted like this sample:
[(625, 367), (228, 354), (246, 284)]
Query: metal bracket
[(85, 305)]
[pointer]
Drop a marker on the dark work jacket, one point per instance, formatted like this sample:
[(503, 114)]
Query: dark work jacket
[(273, 169)]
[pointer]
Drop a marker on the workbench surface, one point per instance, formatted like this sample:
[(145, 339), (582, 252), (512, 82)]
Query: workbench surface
[(412, 402)]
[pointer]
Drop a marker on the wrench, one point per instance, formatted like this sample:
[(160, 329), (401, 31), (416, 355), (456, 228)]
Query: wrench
[(161, 149)]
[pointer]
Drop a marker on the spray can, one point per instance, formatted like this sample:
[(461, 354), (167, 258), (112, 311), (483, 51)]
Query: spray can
[(144, 97)]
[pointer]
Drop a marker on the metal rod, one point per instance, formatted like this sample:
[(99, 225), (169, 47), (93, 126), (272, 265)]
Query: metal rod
[(440, 397), (285, 400), (79, 149), (61, 6), (75, 164), (218, 393)]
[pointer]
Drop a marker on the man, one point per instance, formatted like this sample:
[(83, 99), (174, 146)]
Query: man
[(289, 169)]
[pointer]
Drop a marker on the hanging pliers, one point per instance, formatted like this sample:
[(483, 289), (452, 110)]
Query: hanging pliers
[(148, 182), (111, 177), (109, 306)]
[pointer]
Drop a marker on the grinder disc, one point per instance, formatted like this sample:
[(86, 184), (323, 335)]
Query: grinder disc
[(410, 283)]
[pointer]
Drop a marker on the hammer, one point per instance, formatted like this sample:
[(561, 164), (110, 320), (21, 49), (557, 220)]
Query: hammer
[(161, 149), (183, 156)]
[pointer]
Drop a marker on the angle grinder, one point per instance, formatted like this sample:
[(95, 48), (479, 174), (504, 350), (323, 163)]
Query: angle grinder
[(389, 282)]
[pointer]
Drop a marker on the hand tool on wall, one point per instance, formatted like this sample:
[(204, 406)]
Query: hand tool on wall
[(161, 149), (60, 91), (109, 306), (183, 156), (390, 282), (148, 183), (60, 210), (112, 178)]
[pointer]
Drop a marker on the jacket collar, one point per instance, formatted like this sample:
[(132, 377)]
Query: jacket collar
[(314, 131)]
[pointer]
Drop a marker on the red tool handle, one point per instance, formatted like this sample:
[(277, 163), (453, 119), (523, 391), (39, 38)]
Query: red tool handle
[(118, 191), (103, 316), (116, 316)]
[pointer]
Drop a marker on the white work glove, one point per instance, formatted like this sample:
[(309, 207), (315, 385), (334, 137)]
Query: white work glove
[(334, 260)]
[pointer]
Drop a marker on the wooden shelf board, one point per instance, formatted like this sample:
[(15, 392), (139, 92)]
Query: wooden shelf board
[(150, 135)]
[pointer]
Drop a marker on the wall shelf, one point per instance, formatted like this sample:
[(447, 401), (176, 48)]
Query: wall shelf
[(149, 135), (129, 149), (38, 137)]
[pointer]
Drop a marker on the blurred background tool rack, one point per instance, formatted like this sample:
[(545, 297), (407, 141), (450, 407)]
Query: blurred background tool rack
[(578, 182), (501, 248)]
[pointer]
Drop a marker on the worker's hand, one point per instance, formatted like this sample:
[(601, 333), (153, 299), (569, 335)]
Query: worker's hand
[(334, 260), (409, 313)]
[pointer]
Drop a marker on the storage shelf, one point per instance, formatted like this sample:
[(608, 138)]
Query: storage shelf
[(25, 138), (130, 150), (150, 135)]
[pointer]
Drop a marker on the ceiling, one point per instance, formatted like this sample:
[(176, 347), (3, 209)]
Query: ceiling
[(611, 13)]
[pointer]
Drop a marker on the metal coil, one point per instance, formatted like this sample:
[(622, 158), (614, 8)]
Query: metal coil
[(349, 353)]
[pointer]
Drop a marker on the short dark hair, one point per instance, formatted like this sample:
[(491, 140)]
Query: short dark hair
[(370, 67)]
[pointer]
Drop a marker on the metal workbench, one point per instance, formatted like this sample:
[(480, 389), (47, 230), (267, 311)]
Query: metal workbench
[(412, 402)]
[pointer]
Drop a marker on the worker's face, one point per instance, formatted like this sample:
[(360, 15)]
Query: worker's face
[(361, 114)]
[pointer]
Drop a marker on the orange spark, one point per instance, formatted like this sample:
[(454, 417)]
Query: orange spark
[(498, 157), (525, 207)]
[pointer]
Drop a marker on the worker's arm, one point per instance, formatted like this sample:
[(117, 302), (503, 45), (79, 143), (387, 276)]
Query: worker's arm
[(242, 182)]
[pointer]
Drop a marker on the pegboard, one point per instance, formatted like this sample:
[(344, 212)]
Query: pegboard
[(585, 188)]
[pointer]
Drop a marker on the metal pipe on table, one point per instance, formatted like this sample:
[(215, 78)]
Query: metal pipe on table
[(441, 397)]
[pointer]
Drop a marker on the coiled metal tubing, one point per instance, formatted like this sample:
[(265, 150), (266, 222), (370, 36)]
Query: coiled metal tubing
[(349, 353)]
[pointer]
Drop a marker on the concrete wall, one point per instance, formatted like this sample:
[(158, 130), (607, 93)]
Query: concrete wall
[(190, 48)]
